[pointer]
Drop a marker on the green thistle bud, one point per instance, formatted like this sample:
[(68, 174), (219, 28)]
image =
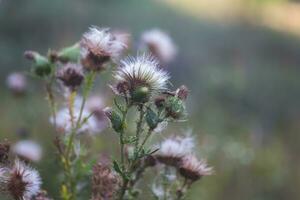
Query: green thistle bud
[(70, 54), (152, 119), (140, 94), (175, 107), (42, 66), (115, 119)]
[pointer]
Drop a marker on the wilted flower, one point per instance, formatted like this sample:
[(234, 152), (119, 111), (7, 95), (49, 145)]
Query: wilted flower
[(142, 77), (160, 45), (172, 150), (28, 150), (105, 182), (20, 181), (17, 83), (193, 169), (71, 75), (98, 46)]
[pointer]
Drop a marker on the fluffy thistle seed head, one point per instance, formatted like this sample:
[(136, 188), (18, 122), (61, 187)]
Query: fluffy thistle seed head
[(98, 46), (20, 181), (172, 150), (71, 75), (160, 45), (143, 78), (193, 169)]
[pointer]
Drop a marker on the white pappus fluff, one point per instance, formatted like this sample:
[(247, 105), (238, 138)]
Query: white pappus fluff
[(142, 70)]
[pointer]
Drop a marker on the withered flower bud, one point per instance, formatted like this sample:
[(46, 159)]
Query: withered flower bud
[(71, 75), (105, 182), (160, 101), (4, 152), (150, 161), (182, 92)]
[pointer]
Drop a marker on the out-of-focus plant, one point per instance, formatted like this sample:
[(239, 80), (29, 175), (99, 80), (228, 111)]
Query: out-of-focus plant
[(140, 85)]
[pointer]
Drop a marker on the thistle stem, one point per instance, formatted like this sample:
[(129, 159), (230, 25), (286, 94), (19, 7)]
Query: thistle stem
[(139, 129)]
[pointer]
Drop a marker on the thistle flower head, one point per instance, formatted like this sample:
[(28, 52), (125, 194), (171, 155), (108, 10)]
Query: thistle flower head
[(193, 169), (160, 45), (28, 150), (20, 181), (17, 83), (71, 75), (172, 150), (99, 46), (142, 77)]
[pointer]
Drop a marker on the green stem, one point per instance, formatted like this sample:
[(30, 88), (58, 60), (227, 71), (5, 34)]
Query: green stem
[(139, 129), (145, 140)]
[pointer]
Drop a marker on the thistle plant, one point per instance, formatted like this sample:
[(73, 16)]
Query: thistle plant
[(142, 107)]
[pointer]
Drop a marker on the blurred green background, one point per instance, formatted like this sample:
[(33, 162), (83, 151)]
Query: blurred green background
[(240, 59)]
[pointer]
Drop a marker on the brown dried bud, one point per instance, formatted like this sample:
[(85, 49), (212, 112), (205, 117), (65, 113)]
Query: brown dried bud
[(150, 161), (160, 101), (182, 92), (105, 183), (4, 152), (71, 75)]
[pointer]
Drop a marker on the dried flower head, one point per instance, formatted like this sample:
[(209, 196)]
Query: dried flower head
[(71, 75), (160, 45), (193, 169), (105, 182), (20, 181), (28, 150), (142, 76), (4, 152), (98, 46), (172, 150), (17, 83)]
